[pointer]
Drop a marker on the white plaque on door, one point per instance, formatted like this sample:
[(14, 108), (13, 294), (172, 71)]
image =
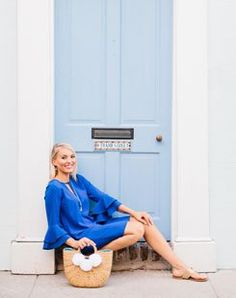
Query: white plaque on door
[(112, 145)]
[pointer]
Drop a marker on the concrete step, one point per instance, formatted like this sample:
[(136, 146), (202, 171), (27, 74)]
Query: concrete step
[(137, 256)]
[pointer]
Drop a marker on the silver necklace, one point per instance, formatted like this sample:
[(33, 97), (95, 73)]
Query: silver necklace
[(75, 194)]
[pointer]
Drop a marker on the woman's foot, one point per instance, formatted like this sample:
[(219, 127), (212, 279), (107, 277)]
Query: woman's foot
[(188, 273)]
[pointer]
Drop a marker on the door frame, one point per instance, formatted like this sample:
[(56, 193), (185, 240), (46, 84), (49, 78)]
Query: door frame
[(190, 216)]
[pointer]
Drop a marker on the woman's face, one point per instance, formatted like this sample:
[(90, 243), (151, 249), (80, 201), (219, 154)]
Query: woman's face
[(65, 161)]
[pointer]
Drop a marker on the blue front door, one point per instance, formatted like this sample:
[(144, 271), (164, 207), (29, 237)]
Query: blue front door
[(113, 70)]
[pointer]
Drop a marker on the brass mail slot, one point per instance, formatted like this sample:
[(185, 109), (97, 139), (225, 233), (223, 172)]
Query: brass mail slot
[(113, 133)]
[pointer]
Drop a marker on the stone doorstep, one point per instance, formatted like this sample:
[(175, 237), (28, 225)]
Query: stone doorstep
[(137, 256)]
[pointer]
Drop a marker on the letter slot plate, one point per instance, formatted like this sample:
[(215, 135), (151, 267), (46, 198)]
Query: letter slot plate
[(112, 139)]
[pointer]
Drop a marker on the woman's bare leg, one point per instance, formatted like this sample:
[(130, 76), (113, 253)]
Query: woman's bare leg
[(133, 232), (136, 230), (158, 243)]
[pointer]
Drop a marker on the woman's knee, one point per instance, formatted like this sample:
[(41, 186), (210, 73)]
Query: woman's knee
[(139, 229), (136, 228)]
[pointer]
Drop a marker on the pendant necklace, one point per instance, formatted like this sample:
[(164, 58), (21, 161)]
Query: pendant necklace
[(75, 194)]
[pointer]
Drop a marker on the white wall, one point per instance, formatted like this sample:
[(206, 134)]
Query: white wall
[(222, 128), (8, 129)]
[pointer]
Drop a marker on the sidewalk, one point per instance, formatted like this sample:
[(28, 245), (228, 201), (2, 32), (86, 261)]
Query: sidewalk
[(137, 284)]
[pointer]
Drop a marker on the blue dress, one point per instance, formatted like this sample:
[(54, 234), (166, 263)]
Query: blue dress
[(69, 214)]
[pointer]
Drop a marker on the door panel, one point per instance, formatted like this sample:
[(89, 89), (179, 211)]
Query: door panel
[(87, 54), (113, 69), (140, 192), (139, 60)]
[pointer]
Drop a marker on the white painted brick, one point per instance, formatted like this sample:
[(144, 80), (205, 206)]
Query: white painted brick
[(30, 258)]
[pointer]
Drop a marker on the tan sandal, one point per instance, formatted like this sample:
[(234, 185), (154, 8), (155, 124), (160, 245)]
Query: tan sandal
[(189, 274)]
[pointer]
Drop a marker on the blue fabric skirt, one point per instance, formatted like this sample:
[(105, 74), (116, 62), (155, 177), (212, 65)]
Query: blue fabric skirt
[(102, 234)]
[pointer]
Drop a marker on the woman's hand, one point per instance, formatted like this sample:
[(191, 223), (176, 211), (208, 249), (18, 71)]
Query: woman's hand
[(143, 217), (83, 242)]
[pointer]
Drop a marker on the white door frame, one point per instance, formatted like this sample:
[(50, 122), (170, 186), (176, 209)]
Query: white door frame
[(190, 197)]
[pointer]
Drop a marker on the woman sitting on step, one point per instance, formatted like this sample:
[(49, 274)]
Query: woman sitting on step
[(71, 222)]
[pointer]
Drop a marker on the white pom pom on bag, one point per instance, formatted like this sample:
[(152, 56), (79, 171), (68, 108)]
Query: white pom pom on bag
[(87, 271), (77, 259), (86, 265), (96, 259)]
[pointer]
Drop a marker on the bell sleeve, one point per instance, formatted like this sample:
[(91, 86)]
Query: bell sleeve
[(55, 235), (105, 205)]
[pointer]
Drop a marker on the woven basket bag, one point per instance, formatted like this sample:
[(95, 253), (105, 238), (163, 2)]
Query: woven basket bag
[(96, 277)]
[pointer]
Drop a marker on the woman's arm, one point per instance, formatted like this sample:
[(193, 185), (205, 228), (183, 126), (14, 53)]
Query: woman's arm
[(110, 204), (96, 194), (142, 216), (56, 235), (105, 205)]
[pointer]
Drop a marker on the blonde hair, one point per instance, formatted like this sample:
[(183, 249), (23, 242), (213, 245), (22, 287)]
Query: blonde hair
[(55, 149)]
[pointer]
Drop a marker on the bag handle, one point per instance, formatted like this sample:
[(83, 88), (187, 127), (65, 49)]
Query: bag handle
[(94, 249)]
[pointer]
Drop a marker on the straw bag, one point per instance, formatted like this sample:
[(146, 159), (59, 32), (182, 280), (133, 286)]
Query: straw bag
[(87, 271)]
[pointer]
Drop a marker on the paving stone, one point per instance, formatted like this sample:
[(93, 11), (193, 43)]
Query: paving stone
[(224, 283), (16, 286), (137, 284)]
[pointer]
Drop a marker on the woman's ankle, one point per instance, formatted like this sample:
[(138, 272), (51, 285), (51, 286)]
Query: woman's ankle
[(179, 268)]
